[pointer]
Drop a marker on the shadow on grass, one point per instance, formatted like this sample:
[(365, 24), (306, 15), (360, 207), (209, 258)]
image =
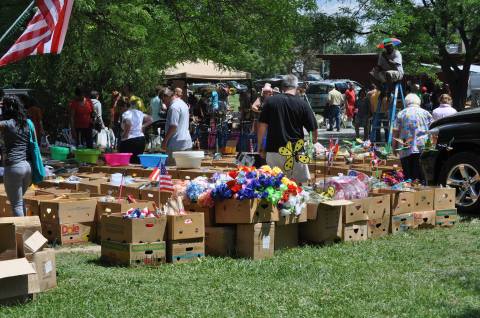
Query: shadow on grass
[(99, 262), (468, 313)]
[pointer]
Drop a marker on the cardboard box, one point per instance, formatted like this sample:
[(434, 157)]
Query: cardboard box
[(220, 241), (424, 220), (45, 266), (98, 169), (31, 203), (116, 228), (119, 206), (24, 223), (14, 278), (185, 251), (292, 218), (255, 241), (401, 201), (209, 213), (187, 226), (91, 186), (379, 227), (357, 231), (424, 200), (8, 242), (312, 210), (444, 198), (402, 222), (72, 233), (357, 211), (193, 173), (91, 176), (68, 211), (234, 211), (153, 253), (30, 243), (155, 196), (286, 236), (328, 226), (446, 218), (62, 193), (379, 207), (132, 189)]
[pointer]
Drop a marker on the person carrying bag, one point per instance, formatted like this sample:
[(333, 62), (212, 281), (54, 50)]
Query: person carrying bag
[(20, 147)]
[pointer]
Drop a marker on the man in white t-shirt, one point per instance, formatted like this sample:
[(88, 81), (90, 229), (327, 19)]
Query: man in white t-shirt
[(177, 136)]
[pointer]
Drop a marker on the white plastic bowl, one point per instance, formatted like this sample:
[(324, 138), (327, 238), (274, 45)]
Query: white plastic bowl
[(188, 159)]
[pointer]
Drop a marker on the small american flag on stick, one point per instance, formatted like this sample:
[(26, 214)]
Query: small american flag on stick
[(166, 183)]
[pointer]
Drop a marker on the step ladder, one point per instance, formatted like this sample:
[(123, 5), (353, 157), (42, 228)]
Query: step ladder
[(392, 112)]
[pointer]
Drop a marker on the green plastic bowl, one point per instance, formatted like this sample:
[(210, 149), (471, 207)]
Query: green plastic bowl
[(87, 155), (59, 153)]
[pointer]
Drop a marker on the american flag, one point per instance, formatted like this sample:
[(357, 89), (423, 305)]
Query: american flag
[(44, 34), (166, 183), (155, 175)]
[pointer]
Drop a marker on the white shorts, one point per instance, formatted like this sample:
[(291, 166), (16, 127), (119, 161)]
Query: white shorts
[(299, 172)]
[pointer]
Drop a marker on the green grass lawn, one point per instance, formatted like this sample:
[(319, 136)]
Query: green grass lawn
[(428, 273)]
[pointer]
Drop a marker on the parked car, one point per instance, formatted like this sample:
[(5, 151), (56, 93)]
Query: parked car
[(317, 92), (238, 87), (456, 161)]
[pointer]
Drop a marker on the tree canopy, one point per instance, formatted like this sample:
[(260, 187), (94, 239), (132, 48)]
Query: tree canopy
[(113, 42), (426, 28)]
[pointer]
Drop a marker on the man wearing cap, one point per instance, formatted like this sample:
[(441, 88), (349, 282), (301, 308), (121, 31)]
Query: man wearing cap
[(389, 67), (286, 117)]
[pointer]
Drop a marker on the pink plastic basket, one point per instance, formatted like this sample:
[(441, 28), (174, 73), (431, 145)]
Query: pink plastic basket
[(117, 159)]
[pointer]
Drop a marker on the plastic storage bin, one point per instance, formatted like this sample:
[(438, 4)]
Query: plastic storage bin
[(188, 159), (152, 160), (59, 153), (87, 155), (117, 159)]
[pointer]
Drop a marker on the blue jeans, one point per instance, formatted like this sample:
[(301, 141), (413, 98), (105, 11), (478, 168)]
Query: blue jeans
[(334, 114)]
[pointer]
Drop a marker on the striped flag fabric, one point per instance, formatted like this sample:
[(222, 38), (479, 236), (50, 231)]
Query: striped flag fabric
[(155, 175), (165, 183), (44, 34)]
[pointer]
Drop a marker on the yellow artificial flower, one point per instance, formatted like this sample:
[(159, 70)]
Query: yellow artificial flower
[(266, 169), (276, 171)]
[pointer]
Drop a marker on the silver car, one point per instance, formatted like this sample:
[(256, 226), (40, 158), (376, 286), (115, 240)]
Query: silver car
[(317, 92)]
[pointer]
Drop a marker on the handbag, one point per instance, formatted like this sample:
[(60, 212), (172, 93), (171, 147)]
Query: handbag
[(38, 169)]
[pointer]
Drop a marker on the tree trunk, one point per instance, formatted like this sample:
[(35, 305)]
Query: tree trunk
[(459, 88), (457, 79)]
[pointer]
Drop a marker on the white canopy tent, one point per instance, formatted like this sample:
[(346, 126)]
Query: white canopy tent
[(204, 70)]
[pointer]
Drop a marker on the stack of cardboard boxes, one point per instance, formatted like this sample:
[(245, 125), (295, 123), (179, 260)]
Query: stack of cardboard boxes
[(185, 237), (26, 267), (444, 204), (133, 241), (252, 225), (383, 212)]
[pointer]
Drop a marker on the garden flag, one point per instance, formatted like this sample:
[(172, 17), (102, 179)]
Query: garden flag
[(166, 183), (44, 34)]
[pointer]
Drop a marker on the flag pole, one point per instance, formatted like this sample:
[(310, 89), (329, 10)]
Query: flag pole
[(24, 13)]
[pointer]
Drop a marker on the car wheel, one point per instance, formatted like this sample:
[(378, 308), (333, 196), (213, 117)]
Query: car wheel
[(462, 172)]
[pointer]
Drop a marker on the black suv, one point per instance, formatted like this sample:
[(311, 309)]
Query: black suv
[(456, 162)]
